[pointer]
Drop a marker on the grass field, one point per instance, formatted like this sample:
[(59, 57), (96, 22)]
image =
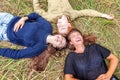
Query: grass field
[(107, 32)]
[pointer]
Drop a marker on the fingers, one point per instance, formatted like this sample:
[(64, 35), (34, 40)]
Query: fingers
[(21, 26), (101, 77), (108, 16), (18, 26), (112, 16)]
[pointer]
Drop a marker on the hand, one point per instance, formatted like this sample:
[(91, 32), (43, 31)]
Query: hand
[(108, 16), (19, 24), (103, 77)]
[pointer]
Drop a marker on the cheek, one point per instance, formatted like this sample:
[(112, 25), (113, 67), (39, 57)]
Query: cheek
[(72, 41), (55, 44), (58, 25), (82, 39), (67, 29)]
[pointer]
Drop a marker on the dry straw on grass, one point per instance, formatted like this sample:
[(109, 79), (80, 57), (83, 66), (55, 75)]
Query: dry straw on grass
[(106, 31)]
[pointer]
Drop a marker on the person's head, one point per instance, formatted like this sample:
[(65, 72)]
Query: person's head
[(75, 37), (57, 41), (63, 25)]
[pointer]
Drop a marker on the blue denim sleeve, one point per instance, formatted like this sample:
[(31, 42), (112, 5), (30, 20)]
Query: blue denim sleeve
[(23, 53)]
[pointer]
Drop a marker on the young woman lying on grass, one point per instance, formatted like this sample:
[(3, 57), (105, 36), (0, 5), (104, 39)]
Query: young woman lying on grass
[(87, 60), (32, 31)]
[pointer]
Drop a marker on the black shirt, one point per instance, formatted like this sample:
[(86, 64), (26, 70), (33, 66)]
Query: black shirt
[(87, 65)]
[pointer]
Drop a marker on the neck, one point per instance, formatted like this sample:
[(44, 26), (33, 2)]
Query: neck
[(80, 48), (49, 39)]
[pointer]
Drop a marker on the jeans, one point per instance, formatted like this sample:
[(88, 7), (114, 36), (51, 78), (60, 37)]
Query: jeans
[(5, 18)]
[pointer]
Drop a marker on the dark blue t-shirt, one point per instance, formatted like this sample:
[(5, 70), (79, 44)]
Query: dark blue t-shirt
[(87, 65)]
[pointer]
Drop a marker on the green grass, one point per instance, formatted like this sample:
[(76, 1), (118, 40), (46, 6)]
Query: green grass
[(107, 32)]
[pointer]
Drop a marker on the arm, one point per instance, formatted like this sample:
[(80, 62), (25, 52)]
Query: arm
[(32, 16), (20, 23), (113, 62), (69, 77), (93, 13), (22, 53)]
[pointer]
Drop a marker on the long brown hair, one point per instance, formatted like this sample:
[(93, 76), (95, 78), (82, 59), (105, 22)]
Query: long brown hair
[(88, 39), (39, 63)]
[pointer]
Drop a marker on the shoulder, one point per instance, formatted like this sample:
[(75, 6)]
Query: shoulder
[(98, 46), (70, 55), (69, 58), (102, 50), (94, 45)]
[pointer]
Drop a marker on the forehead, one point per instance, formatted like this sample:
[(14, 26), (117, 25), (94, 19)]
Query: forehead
[(74, 33)]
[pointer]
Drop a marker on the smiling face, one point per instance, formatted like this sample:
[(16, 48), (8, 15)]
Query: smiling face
[(76, 38), (59, 41), (63, 25)]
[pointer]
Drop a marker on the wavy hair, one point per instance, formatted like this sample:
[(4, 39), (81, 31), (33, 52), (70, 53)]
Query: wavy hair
[(88, 39), (39, 63)]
